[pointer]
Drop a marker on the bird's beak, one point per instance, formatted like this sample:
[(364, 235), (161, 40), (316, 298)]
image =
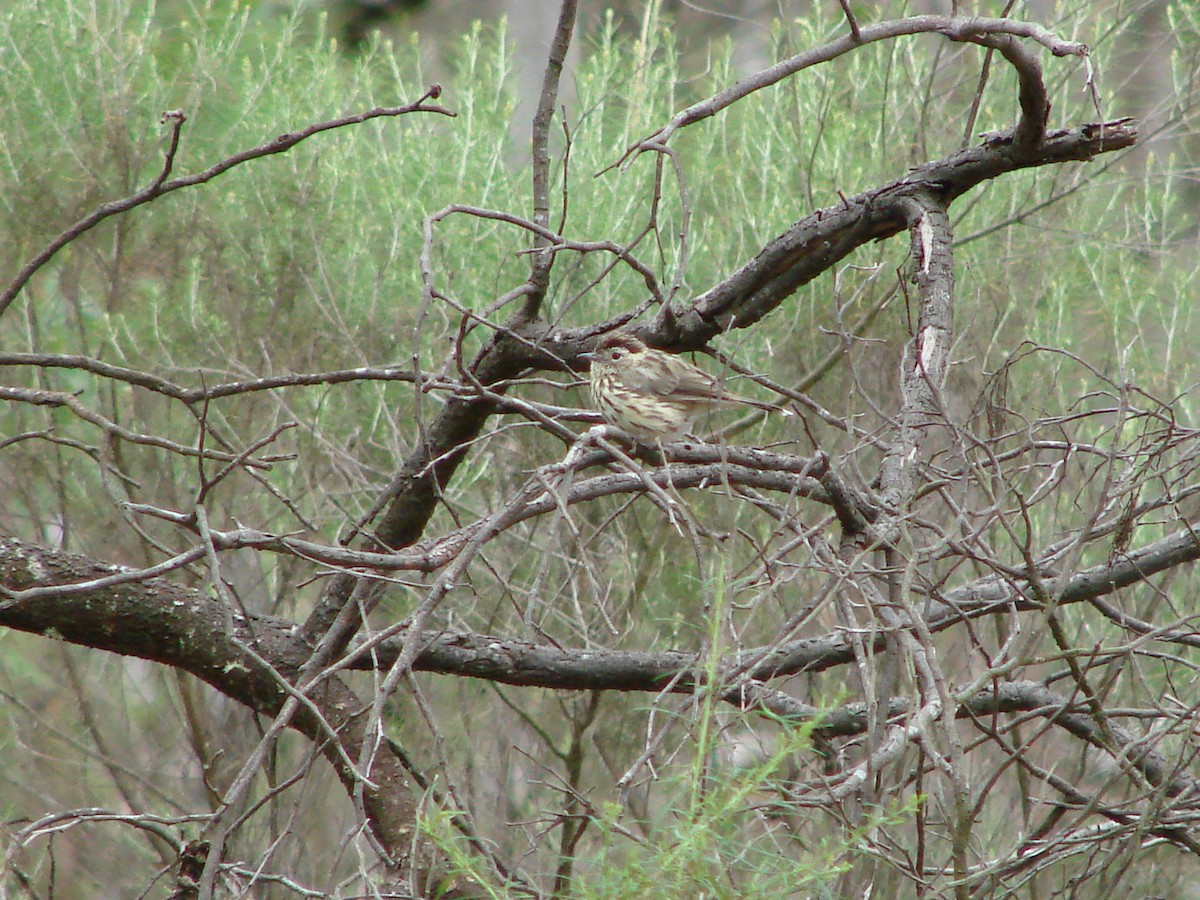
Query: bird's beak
[(588, 356)]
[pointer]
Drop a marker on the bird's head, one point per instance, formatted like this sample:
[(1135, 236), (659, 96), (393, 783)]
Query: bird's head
[(618, 349)]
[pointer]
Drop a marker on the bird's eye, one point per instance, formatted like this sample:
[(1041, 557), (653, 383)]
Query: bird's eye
[(615, 355)]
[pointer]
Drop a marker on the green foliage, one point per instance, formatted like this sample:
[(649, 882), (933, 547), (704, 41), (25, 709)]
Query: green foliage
[(310, 260)]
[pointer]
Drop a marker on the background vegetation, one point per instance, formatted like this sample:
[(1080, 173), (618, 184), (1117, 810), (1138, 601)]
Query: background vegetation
[(1073, 353)]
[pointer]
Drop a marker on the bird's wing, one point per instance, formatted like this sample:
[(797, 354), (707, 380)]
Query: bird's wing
[(651, 377), (694, 384)]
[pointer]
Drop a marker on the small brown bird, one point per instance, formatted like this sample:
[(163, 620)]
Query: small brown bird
[(652, 394)]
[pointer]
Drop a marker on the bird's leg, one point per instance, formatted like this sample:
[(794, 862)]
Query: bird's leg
[(695, 531), (662, 455)]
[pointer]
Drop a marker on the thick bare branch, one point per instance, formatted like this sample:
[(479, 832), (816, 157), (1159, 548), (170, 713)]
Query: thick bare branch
[(245, 659)]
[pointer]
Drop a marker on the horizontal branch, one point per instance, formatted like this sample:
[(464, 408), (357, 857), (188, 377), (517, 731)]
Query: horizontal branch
[(157, 620), (714, 466), (71, 401), (965, 29), (541, 665), (158, 385)]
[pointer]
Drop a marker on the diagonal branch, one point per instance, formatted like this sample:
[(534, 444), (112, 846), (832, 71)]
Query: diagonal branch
[(161, 185)]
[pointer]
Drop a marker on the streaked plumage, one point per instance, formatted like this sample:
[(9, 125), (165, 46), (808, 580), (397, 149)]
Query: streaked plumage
[(652, 394)]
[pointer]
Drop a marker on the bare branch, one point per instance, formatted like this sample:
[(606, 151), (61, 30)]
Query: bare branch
[(974, 30), (161, 185)]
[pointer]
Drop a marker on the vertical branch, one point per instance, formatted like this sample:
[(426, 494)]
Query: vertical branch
[(1035, 105), (924, 366), (539, 275), (926, 358)]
